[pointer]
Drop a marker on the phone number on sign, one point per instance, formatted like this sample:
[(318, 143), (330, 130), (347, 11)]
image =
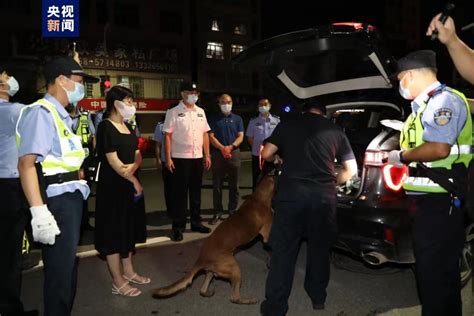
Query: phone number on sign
[(126, 64)]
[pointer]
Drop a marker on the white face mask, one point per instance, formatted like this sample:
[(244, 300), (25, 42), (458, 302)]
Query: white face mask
[(226, 107), (192, 98), (405, 91), (13, 86), (127, 111)]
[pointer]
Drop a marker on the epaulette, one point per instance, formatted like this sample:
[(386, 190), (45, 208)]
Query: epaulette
[(276, 116), (436, 91)]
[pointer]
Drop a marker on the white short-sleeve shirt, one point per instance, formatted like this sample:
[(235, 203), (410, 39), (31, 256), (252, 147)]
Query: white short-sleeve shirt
[(188, 127)]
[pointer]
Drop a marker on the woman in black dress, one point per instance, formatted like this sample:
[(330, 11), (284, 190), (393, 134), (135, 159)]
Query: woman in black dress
[(120, 221)]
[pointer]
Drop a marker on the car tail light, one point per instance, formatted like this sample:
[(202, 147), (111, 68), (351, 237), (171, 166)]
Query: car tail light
[(355, 25), (375, 158), (388, 235), (394, 176)]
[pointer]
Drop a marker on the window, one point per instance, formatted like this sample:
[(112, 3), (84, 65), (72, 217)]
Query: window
[(215, 50), (136, 84), (102, 87), (240, 28), (215, 25), (171, 22), (171, 88), (236, 49)]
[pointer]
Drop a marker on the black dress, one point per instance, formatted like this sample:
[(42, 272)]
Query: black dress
[(120, 220)]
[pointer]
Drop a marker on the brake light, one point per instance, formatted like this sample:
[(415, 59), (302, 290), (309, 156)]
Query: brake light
[(394, 176), (355, 25), (388, 235), (375, 158)]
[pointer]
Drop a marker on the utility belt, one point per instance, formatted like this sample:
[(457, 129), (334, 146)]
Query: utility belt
[(454, 181), (61, 178)]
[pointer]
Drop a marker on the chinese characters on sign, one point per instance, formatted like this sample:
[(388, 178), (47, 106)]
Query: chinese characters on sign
[(142, 105), (60, 18)]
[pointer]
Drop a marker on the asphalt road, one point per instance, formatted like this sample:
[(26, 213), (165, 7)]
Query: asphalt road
[(354, 289)]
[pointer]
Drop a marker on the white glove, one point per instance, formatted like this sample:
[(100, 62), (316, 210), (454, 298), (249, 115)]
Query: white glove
[(394, 158), (44, 225)]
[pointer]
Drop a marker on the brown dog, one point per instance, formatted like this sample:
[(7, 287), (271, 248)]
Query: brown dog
[(217, 253)]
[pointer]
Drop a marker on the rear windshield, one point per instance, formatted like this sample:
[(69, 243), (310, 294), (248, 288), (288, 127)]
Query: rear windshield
[(330, 66)]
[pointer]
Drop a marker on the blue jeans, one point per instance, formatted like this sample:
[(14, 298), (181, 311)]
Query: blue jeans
[(60, 268)]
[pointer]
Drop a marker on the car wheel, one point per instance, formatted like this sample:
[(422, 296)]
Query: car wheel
[(466, 260)]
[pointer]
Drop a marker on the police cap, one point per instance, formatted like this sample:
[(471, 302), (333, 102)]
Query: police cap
[(417, 59), (188, 86), (66, 66)]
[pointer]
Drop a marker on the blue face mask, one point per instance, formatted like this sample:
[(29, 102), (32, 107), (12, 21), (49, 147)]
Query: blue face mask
[(263, 109), (76, 95)]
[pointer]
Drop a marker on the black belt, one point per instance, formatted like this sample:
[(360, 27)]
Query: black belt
[(62, 177)]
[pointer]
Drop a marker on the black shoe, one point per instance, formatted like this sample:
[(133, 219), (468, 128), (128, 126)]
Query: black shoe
[(176, 235), (232, 212), (318, 306), (201, 229), (216, 218)]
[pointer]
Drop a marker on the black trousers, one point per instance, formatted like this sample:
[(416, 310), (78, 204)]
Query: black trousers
[(13, 218), (438, 242), (60, 265), (220, 168), (293, 220), (166, 175), (186, 180)]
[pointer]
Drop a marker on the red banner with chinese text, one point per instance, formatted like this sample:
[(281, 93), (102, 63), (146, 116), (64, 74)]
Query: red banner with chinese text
[(142, 105)]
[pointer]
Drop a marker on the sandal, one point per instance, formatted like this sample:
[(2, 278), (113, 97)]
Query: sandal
[(133, 280), (132, 292)]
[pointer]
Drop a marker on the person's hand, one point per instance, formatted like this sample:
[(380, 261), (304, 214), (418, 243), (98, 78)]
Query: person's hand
[(170, 165), (226, 152), (44, 225), (277, 160), (207, 162), (82, 174), (394, 158), (446, 31), (137, 186), (128, 170)]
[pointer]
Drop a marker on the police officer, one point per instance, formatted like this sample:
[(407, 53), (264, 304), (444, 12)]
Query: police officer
[(187, 151), (435, 142), (226, 135), (258, 130), (304, 203), (50, 158), (83, 127), (14, 210)]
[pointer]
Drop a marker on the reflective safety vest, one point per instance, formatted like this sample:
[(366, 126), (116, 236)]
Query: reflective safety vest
[(412, 136), (72, 153), (133, 122), (83, 130)]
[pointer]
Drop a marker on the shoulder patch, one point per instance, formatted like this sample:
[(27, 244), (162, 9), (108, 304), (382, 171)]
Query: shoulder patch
[(442, 116)]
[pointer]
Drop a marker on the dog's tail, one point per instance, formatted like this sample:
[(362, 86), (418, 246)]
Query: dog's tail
[(177, 286)]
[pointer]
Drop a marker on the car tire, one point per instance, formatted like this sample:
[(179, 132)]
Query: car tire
[(466, 261)]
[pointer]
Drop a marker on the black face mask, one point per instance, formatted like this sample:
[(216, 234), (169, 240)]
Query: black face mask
[(70, 108)]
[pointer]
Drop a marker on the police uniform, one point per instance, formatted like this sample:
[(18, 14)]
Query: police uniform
[(13, 213), (44, 130), (158, 136), (259, 129), (187, 127), (441, 115)]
